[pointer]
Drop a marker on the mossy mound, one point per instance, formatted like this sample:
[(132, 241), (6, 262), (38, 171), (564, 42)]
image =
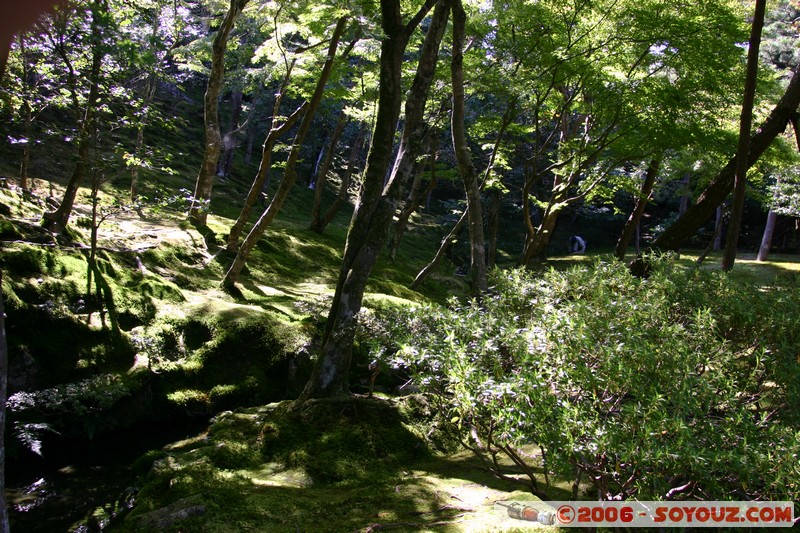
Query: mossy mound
[(277, 466)]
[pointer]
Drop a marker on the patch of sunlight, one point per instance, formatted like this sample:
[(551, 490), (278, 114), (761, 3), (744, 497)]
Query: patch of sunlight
[(270, 291), (313, 288), (386, 300), (277, 475), (182, 444)]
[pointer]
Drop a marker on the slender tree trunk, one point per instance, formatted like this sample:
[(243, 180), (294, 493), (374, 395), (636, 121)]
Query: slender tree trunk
[(716, 192), (198, 213), (493, 226), (537, 243), (713, 244), (447, 241), (26, 151), (322, 175), (290, 172), (150, 92), (260, 181), (464, 155), (352, 162), (632, 225), (684, 204), (4, 527), (229, 142), (766, 239), (410, 205), (57, 220), (745, 123), (426, 271), (373, 213)]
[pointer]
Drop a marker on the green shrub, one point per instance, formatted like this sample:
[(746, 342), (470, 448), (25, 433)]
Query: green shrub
[(682, 385)]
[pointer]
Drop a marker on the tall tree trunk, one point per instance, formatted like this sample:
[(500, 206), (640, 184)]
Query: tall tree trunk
[(464, 155), (766, 239), (4, 527), (718, 224), (536, 244), (198, 213), (57, 220), (373, 213), (684, 203), (715, 193), (260, 181), (745, 123), (150, 92), (632, 225), (229, 142), (493, 226), (290, 172), (352, 162), (325, 167), (447, 241), (410, 205)]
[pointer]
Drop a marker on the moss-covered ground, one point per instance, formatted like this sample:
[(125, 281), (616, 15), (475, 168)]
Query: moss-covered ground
[(164, 342), (355, 464)]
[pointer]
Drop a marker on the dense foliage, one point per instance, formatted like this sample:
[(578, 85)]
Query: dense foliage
[(678, 386)]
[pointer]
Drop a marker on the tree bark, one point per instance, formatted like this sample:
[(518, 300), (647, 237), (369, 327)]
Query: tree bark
[(464, 155), (373, 213), (639, 206), (745, 123), (766, 239), (716, 192), (57, 220), (4, 527), (198, 213), (322, 175), (290, 172)]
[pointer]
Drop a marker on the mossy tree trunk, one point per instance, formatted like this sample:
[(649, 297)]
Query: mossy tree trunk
[(4, 527), (198, 213), (376, 204)]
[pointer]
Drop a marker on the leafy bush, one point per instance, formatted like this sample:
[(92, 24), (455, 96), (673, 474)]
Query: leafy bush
[(677, 386)]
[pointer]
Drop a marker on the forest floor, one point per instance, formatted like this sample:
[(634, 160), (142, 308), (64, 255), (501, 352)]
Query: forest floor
[(359, 472)]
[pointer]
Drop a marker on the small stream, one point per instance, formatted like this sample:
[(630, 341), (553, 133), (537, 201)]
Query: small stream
[(52, 492)]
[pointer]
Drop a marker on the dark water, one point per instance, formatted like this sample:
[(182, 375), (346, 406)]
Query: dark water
[(53, 492)]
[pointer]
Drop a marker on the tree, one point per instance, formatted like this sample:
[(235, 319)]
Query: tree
[(85, 112), (640, 204), (213, 144), (740, 175), (784, 113), (375, 207), (464, 156), (4, 528), (290, 171)]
